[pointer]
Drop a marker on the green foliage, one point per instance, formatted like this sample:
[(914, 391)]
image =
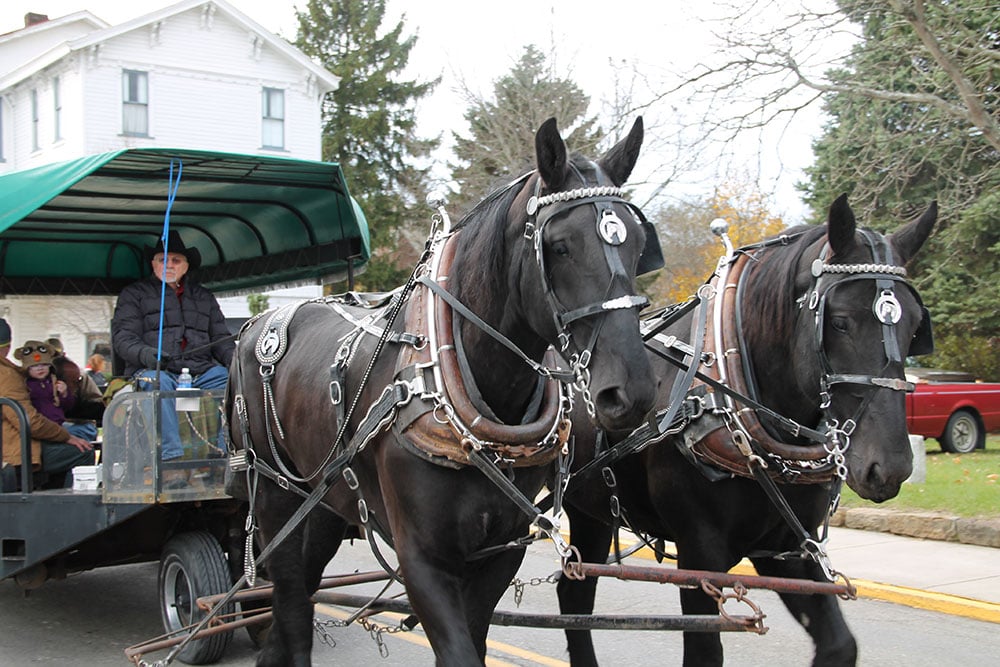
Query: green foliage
[(257, 303), (963, 351), (369, 122), (901, 133), (382, 275), (501, 145), (964, 485)]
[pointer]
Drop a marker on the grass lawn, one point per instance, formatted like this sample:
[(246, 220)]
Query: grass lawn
[(965, 485)]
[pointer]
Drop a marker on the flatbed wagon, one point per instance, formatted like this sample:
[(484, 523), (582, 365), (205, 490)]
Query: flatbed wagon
[(79, 229)]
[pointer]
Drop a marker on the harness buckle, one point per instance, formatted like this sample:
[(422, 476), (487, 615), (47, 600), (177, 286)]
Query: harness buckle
[(266, 371), (698, 403), (336, 393), (238, 461), (404, 392), (742, 443), (350, 478)]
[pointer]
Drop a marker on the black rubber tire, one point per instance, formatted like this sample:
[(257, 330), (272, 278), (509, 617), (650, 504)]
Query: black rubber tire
[(963, 433), (193, 565)]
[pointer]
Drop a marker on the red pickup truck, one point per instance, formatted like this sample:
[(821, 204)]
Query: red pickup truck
[(952, 409)]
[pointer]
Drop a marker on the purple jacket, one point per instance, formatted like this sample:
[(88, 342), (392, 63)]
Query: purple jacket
[(43, 398)]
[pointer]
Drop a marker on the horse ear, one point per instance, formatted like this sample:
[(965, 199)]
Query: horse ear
[(550, 151), (908, 238), (840, 226), (618, 162)]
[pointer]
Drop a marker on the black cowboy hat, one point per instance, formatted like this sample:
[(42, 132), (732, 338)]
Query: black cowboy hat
[(175, 244)]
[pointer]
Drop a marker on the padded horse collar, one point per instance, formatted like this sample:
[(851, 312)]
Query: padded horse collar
[(441, 423)]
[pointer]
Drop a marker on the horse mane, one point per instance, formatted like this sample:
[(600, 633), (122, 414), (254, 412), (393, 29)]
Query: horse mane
[(481, 251), (771, 287)]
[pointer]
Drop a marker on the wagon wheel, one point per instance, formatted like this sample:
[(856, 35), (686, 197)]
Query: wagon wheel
[(962, 434), (192, 566)]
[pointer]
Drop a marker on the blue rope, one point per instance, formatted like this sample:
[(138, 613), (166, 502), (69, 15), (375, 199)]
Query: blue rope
[(172, 187)]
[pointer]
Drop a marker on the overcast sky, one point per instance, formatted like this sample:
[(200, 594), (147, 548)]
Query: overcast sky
[(470, 41)]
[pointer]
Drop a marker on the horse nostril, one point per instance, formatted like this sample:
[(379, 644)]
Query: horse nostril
[(613, 402)]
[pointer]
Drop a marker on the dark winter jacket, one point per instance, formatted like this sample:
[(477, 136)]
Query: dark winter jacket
[(194, 317)]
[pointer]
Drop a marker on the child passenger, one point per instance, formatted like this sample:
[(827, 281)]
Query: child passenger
[(49, 395)]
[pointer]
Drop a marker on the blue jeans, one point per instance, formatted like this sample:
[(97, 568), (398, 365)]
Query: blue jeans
[(214, 378), (85, 430)]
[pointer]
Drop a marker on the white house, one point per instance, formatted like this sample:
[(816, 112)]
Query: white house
[(197, 74)]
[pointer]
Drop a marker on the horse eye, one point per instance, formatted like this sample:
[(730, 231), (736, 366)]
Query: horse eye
[(841, 324), (560, 248)]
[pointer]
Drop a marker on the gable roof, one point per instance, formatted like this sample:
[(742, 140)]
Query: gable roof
[(325, 78), (50, 25)]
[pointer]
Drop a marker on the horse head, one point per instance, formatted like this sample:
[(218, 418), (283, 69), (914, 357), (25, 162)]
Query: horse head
[(568, 251), (857, 321)]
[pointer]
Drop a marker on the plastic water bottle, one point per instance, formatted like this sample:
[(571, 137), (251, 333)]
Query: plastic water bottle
[(184, 380)]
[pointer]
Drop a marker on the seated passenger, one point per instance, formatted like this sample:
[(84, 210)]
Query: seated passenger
[(87, 410), (54, 450), (95, 371), (195, 335), (49, 394)]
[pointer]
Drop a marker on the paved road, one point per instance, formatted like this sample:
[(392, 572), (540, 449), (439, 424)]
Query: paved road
[(90, 618)]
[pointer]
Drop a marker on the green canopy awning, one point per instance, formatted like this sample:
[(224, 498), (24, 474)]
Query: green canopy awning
[(81, 227)]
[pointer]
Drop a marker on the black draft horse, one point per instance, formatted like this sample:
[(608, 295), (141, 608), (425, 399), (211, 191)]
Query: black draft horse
[(788, 312), (548, 261)]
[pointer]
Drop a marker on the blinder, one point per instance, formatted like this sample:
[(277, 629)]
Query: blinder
[(651, 258), (923, 338)]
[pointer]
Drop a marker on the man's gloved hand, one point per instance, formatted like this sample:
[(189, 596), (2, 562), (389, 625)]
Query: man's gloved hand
[(147, 357)]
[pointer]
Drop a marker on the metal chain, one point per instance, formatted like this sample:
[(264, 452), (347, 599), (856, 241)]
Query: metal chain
[(375, 631), (838, 443), (582, 384), (519, 585)]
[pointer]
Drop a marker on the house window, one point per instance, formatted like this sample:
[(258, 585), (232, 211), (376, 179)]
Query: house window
[(135, 103), (57, 109), (34, 120), (273, 118)]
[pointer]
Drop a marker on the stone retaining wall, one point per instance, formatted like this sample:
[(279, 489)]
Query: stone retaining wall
[(926, 525)]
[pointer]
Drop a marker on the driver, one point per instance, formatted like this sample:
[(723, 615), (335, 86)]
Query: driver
[(195, 335)]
